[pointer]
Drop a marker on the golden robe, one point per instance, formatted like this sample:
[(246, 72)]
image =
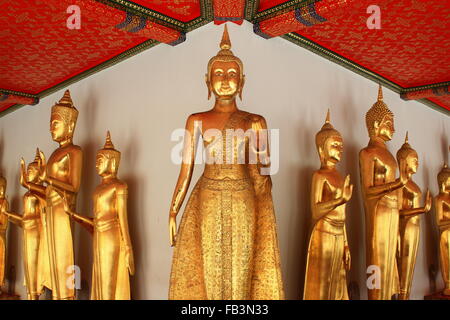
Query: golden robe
[(227, 247), (35, 252), (409, 243), (110, 277), (3, 228)]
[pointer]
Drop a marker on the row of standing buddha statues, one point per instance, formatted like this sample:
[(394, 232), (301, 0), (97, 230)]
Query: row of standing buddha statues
[(226, 246)]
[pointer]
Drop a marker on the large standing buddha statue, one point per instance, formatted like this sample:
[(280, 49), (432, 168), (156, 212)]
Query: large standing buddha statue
[(380, 191), (226, 246)]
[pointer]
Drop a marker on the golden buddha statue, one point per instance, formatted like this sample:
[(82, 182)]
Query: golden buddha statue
[(442, 203), (226, 246), (62, 174), (35, 252), (380, 191), (3, 228), (409, 226), (328, 253), (112, 250)]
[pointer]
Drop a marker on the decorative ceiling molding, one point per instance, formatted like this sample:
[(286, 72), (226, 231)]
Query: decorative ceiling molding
[(291, 20)]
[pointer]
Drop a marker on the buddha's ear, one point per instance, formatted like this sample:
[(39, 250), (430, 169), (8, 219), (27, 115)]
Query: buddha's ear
[(242, 86), (71, 127), (113, 164), (208, 85)]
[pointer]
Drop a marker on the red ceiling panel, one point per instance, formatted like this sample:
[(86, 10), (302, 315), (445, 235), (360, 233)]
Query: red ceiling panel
[(38, 50), (183, 10), (411, 48), (267, 4)]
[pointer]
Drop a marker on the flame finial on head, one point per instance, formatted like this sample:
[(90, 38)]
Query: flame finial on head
[(326, 132), (380, 93), (225, 44), (108, 143)]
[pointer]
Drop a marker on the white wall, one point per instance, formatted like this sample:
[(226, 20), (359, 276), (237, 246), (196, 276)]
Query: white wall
[(143, 99)]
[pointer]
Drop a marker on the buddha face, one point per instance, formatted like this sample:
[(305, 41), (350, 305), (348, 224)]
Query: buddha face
[(333, 148), (59, 129), (412, 163), (386, 128), (225, 79), (105, 165), (32, 173)]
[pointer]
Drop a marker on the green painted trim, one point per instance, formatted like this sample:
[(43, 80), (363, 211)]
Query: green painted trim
[(427, 86), (12, 109), (18, 93), (207, 15), (109, 63), (336, 58), (251, 9), (137, 9), (366, 73), (280, 9), (433, 105)]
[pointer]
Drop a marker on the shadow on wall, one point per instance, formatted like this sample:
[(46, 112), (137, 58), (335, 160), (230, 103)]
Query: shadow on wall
[(431, 241), (136, 194), (355, 210), (14, 233), (82, 238), (299, 223), (432, 230)]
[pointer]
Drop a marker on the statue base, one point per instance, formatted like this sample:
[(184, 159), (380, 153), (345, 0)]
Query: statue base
[(437, 296), (7, 296)]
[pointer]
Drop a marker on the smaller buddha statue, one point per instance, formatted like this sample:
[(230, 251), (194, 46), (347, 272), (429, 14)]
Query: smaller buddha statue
[(3, 228), (112, 250), (35, 253), (328, 252), (380, 192), (409, 225), (442, 202)]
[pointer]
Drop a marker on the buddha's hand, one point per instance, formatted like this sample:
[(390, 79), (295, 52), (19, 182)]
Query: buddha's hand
[(172, 228), (428, 201), (129, 258), (347, 258), (347, 190), (66, 205), (42, 164), (23, 173)]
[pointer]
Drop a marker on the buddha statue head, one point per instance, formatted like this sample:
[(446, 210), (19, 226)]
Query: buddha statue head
[(444, 179), (63, 119), (108, 159), (329, 144), (225, 75), (33, 169), (407, 158), (2, 187), (380, 120)]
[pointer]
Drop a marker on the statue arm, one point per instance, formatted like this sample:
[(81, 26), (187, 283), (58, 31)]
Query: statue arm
[(75, 166), (14, 217), (440, 221), (260, 141), (367, 171), (320, 209), (86, 222), (122, 195), (187, 166), (415, 210)]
